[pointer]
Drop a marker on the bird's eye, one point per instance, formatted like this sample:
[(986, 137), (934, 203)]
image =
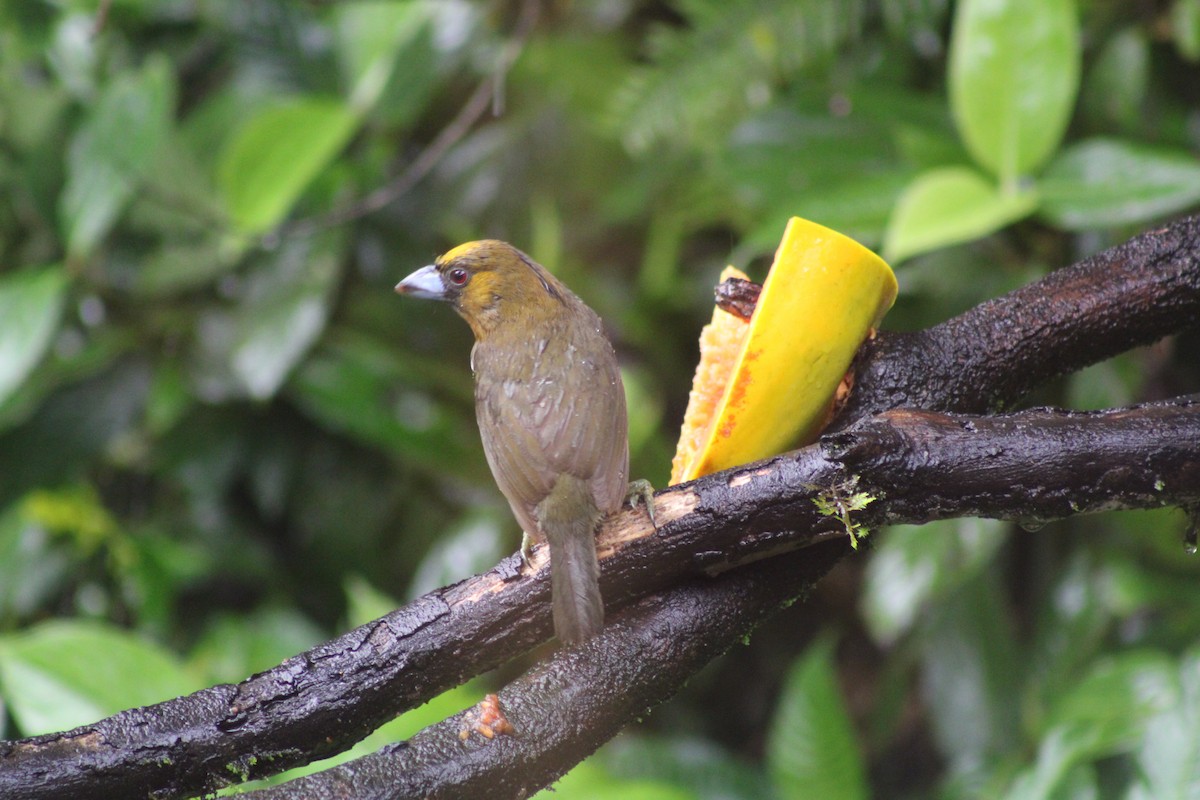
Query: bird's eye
[(458, 276)]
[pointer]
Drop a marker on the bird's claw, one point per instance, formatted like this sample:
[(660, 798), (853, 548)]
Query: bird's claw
[(641, 491), (526, 549)]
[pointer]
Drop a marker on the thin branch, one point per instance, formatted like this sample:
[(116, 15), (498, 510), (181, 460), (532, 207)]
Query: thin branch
[(485, 95), (101, 18)]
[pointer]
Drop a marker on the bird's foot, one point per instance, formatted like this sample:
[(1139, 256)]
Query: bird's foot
[(526, 548), (640, 491)]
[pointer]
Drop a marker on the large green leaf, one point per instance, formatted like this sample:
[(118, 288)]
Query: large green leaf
[(1117, 696), (236, 645), (113, 150), (360, 389), (686, 761), (948, 206), (1068, 635), (30, 307), (587, 782), (970, 674), (249, 349), (1056, 772), (32, 568), (1114, 94), (282, 314), (71, 426), (1099, 183), (1168, 757), (1014, 73), (686, 97), (272, 336), (1185, 28), (913, 565), (1105, 713), (59, 675), (370, 36), (274, 156), (812, 750)]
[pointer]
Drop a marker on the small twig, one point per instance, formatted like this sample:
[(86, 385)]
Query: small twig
[(486, 94), (101, 17)]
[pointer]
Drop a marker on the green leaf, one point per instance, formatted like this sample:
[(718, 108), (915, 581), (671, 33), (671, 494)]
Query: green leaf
[(948, 206), (1168, 758), (59, 675), (812, 750), (843, 180), (357, 388), (913, 565), (183, 264), (589, 782), (971, 675), (858, 207), (1117, 698), (234, 646), (274, 156), (1115, 88), (1099, 183), (370, 36), (113, 150), (688, 762), (1072, 622), (472, 544), (283, 310), (71, 427), (1108, 384), (1014, 73), (31, 304), (1109, 711), (274, 338), (32, 567), (1059, 753), (685, 97), (1185, 28)]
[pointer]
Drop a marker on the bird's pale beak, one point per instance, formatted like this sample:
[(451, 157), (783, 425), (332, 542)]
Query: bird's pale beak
[(425, 283)]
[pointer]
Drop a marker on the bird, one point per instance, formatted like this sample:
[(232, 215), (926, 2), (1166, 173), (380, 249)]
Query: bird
[(551, 410)]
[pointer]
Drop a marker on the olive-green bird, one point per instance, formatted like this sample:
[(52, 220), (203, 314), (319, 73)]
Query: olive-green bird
[(551, 410)]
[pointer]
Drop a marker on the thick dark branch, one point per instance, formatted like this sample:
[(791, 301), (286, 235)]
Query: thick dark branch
[(1035, 466), (1137, 457), (921, 466), (579, 698), (987, 358)]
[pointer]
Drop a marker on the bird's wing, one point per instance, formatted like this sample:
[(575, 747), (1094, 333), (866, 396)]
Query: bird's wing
[(584, 432), (539, 419)]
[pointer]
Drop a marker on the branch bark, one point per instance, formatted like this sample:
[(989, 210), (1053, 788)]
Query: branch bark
[(989, 357), (567, 706), (920, 465)]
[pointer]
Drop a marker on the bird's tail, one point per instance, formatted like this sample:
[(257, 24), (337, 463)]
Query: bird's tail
[(568, 519)]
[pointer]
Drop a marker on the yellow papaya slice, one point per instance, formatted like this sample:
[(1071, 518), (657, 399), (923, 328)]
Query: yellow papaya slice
[(777, 376)]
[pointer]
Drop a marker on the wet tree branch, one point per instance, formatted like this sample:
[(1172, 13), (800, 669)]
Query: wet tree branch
[(668, 617)]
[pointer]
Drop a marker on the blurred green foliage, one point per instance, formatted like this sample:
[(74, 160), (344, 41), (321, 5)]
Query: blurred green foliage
[(223, 439)]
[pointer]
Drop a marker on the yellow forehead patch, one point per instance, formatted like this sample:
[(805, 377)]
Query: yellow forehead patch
[(460, 251)]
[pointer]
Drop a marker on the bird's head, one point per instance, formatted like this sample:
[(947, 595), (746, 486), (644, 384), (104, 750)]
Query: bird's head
[(490, 283)]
